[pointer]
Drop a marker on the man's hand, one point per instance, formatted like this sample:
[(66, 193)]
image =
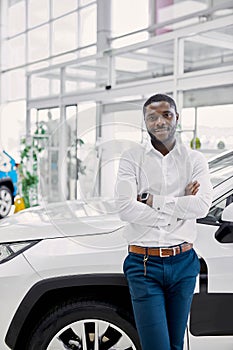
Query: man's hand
[(192, 188), (149, 200)]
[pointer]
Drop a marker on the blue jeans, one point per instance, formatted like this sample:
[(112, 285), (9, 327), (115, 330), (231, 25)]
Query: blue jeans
[(162, 299)]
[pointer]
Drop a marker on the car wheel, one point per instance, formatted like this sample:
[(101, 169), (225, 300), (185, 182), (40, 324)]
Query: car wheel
[(85, 325), (6, 200)]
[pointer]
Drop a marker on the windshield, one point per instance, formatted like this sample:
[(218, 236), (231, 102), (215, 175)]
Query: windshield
[(221, 167)]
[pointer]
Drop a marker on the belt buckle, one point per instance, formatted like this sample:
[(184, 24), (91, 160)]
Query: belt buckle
[(161, 253), (165, 256)]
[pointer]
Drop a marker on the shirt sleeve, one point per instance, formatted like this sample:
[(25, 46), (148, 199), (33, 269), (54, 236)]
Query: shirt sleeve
[(189, 207), (129, 209)]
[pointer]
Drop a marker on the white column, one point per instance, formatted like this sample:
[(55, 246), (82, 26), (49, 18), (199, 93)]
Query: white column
[(152, 16), (28, 110), (3, 21), (103, 34), (178, 65), (105, 133), (108, 151), (62, 155), (103, 24)]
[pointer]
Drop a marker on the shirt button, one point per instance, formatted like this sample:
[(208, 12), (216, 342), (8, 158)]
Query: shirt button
[(158, 208)]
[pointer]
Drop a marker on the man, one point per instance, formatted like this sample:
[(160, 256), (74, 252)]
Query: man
[(161, 189)]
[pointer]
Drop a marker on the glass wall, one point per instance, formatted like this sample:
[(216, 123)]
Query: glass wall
[(41, 33), (148, 63), (35, 30), (171, 10), (47, 136), (129, 17), (155, 17), (209, 49), (214, 136), (87, 152), (12, 127), (36, 34), (169, 14)]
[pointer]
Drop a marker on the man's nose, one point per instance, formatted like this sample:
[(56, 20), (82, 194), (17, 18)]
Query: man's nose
[(160, 120)]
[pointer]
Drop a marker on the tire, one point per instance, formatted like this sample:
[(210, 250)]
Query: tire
[(6, 201), (77, 325)]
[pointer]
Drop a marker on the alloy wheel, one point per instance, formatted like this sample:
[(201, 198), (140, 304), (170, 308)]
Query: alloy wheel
[(91, 334)]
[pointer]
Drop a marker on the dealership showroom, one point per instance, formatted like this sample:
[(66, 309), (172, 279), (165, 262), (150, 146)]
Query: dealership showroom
[(116, 174)]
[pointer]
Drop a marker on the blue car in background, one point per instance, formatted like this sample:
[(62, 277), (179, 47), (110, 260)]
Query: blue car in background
[(8, 183)]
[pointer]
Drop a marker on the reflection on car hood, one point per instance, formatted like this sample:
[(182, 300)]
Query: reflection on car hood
[(57, 220)]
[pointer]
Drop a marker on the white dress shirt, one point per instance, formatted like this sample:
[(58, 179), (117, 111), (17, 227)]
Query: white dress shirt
[(172, 218)]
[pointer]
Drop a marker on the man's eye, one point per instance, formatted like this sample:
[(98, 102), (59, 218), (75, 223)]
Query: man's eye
[(151, 117), (167, 115)]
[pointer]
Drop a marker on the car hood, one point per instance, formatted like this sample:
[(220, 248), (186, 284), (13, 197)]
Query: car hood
[(57, 220)]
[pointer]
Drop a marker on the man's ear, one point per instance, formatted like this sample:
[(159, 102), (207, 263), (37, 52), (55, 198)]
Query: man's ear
[(177, 116)]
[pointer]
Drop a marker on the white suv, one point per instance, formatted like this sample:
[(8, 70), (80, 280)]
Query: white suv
[(62, 285)]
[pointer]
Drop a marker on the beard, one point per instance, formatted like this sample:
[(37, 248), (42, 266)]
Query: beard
[(153, 138), (170, 137)]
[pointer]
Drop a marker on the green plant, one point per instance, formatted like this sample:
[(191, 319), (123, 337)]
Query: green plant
[(29, 153), (28, 182), (221, 145), (29, 165), (80, 167), (197, 143), (28, 168)]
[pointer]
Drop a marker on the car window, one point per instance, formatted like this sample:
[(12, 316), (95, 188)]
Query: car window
[(221, 168), (215, 212)]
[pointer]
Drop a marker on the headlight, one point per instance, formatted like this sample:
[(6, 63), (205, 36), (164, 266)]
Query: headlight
[(10, 250)]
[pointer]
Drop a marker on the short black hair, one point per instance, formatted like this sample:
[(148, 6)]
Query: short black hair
[(159, 98)]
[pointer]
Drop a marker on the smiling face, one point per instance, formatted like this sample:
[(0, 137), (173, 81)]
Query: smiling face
[(161, 121)]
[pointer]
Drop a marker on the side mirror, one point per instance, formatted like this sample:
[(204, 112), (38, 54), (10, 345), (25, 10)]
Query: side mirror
[(227, 214)]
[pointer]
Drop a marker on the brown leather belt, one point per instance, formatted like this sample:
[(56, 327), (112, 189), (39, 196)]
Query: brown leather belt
[(162, 252)]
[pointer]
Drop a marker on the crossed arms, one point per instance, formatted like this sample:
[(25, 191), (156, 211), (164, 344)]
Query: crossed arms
[(162, 210)]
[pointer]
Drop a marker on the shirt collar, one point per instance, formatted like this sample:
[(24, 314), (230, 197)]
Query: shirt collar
[(176, 148)]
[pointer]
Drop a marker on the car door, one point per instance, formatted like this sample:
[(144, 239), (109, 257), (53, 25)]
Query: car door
[(211, 318)]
